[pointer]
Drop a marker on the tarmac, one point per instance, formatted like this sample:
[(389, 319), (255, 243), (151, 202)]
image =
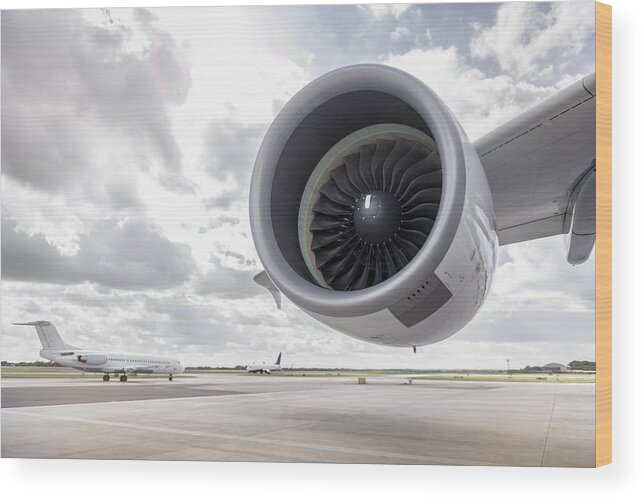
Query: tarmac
[(223, 417)]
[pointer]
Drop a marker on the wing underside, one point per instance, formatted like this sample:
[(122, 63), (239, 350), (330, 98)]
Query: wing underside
[(541, 170)]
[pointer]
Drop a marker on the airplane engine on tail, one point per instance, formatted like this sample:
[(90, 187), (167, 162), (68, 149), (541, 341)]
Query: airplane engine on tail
[(93, 359), (370, 209)]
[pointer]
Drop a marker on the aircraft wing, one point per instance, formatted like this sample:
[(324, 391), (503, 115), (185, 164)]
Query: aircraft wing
[(541, 169)]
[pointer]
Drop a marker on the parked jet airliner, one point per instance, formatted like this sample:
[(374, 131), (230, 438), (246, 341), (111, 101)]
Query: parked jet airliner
[(56, 350), (265, 368)]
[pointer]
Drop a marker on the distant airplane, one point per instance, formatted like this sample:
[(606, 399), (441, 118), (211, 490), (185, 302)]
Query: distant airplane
[(56, 350), (265, 368)]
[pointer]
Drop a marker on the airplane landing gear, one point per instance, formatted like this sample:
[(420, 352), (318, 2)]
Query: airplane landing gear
[(123, 378), (171, 378), (106, 377)]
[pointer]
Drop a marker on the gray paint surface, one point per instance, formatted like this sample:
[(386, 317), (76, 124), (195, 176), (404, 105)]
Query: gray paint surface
[(534, 161), (115, 392)]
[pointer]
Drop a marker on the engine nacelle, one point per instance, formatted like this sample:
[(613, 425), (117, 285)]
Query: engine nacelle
[(93, 359), (371, 211)]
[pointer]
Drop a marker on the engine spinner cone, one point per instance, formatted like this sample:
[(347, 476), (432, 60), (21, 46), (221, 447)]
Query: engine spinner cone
[(377, 217)]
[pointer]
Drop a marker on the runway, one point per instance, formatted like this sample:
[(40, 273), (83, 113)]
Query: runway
[(220, 417)]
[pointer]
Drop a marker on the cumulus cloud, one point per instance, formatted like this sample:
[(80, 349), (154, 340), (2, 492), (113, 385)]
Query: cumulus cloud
[(219, 222), (533, 42), (223, 200), (230, 151), (227, 281), (132, 255), (536, 299), (384, 10), (488, 100), (75, 97), (331, 35)]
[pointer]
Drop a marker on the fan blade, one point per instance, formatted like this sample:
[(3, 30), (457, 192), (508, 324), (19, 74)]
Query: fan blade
[(331, 191), (408, 248), (325, 222), (345, 275), (417, 153), (328, 207), (383, 148), (340, 176), (352, 168), (362, 278), (324, 255), (426, 180), (322, 238), (427, 165), (366, 154), (415, 237), (428, 210), (400, 149), (377, 278), (398, 256), (429, 195), (422, 224), (389, 264), (342, 280)]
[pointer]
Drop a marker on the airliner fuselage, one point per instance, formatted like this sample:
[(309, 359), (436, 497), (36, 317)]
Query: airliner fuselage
[(113, 363), (56, 350)]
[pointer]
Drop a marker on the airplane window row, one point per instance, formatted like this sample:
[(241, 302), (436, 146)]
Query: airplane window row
[(117, 359)]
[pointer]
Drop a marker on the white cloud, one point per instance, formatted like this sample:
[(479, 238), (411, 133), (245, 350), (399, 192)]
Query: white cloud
[(399, 33), (131, 254), (77, 100), (480, 102), (383, 10), (532, 43)]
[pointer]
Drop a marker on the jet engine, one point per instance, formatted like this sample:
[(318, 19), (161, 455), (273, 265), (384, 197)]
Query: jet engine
[(92, 359), (370, 209)]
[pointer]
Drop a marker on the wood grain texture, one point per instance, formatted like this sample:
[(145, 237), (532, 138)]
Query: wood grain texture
[(603, 234)]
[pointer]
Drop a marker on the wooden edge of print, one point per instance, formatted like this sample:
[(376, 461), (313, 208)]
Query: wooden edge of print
[(603, 234)]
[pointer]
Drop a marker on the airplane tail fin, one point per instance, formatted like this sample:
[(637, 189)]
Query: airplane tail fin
[(278, 360), (48, 335)]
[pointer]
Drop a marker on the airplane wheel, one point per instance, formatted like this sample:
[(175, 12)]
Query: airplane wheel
[(123, 378), (106, 377), (171, 379)]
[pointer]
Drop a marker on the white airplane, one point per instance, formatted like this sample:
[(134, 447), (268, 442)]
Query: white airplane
[(56, 350), (265, 368)]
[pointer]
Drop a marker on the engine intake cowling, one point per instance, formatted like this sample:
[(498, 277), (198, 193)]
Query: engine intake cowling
[(370, 209), (93, 359)]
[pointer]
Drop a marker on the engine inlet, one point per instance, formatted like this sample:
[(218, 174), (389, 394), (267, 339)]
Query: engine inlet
[(369, 206)]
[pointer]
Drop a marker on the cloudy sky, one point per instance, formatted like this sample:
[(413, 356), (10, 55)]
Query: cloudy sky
[(128, 140)]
